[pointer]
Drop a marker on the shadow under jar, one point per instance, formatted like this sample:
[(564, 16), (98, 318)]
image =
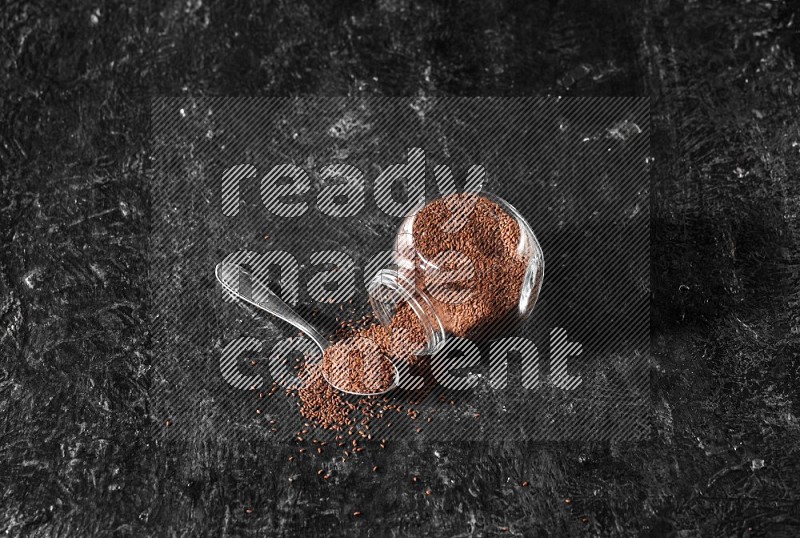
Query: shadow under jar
[(466, 265)]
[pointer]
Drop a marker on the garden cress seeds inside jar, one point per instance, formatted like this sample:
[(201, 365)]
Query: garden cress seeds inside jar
[(462, 263)]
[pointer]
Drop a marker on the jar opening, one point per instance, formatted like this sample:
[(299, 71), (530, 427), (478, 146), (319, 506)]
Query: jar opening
[(388, 289)]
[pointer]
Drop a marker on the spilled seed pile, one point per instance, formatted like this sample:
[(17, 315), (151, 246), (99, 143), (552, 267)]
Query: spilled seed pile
[(346, 364)]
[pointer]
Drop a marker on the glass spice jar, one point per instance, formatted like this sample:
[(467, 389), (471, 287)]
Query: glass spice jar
[(466, 264)]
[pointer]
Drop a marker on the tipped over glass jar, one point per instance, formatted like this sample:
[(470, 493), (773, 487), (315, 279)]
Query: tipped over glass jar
[(466, 265)]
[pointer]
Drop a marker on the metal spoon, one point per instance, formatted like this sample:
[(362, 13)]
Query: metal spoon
[(234, 279)]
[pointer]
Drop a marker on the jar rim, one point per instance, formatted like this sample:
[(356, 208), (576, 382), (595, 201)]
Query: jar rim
[(420, 304)]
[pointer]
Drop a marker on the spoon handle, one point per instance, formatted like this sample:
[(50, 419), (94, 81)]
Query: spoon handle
[(238, 281)]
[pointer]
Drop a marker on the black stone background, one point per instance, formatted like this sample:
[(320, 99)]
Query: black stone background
[(77, 451)]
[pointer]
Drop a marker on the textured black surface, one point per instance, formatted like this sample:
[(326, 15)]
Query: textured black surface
[(77, 452)]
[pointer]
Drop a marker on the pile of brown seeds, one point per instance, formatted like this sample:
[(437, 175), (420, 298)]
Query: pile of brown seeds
[(322, 404), (358, 365)]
